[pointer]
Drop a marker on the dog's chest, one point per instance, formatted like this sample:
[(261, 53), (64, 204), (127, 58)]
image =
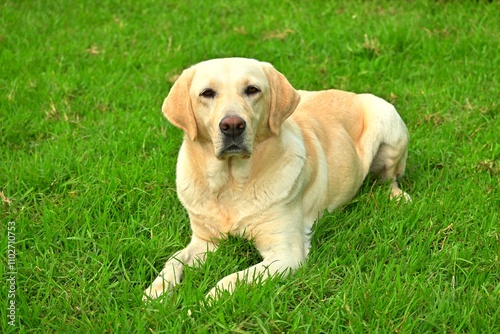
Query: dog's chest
[(236, 197), (236, 208), (227, 212)]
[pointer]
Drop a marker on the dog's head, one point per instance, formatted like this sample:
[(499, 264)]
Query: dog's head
[(232, 103)]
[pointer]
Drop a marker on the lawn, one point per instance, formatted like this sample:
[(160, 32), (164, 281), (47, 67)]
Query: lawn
[(87, 167)]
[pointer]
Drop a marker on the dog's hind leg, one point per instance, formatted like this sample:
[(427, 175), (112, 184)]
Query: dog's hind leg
[(386, 143), (389, 164)]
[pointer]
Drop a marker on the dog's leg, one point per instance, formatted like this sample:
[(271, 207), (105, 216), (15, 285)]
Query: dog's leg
[(282, 254), (171, 275), (385, 143), (389, 164)]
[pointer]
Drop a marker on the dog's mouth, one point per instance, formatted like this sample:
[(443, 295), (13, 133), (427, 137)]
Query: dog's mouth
[(233, 149)]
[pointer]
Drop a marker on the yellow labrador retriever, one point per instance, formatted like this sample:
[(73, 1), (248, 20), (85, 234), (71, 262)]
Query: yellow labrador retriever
[(262, 160)]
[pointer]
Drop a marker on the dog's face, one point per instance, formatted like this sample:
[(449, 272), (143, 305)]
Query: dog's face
[(232, 103)]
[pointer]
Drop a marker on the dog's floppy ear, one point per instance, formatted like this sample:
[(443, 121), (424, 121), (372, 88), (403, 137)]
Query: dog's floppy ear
[(177, 107), (284, 98)]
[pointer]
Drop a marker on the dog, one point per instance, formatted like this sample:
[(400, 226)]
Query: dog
[(262, 160)]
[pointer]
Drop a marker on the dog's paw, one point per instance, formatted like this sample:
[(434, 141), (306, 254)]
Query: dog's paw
[(213, 295), (401, 195), (150, 294), (406, 197), (156, 289), (226, 284)]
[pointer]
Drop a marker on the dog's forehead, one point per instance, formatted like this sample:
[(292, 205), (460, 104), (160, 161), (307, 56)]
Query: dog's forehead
[(233, 71)]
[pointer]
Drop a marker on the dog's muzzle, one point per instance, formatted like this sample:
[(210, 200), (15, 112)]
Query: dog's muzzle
[(233, 133)]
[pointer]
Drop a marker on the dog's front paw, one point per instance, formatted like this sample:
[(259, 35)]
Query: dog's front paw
[(226, 284), (156, 289)]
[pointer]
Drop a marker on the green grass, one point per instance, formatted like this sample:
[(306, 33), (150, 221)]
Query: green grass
[(87, 166)]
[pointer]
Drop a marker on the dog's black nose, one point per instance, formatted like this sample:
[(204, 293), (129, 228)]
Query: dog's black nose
[(232, 126)]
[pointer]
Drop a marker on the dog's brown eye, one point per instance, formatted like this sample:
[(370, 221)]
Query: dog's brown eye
[(208, 93), (251, 90)]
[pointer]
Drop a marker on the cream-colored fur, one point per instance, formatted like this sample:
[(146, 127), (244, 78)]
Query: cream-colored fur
[(299, 154)]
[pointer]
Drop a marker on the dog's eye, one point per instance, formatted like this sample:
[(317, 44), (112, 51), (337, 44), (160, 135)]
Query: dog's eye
[(208, 93), (251, 90)]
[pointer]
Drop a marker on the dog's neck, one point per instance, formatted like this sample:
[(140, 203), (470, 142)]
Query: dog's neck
[(231, 173)]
